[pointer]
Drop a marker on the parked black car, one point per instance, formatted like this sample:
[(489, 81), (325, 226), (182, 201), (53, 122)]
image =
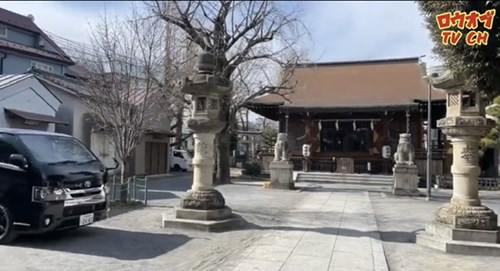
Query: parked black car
[(48, 182)]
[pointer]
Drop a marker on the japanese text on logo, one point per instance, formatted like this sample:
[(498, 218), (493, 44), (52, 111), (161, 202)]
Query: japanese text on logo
[(470, 21)]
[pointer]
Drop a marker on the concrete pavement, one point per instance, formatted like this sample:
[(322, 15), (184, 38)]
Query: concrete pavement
[(323, 227), (327, 231)]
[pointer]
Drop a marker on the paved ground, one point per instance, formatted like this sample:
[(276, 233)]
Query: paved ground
[(324, 227), (399, 218)]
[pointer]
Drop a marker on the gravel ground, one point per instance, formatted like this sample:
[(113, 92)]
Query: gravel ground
[(399, 218)]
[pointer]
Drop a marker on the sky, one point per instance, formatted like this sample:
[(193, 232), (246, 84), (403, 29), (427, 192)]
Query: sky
[(340, 30)]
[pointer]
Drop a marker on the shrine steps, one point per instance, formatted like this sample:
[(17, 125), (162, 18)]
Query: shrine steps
[(301, 176)]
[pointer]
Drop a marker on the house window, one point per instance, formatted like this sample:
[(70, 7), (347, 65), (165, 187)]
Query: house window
[(42, 66), (3, 31)]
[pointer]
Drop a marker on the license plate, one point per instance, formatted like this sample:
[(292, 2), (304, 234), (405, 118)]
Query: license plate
[(86, 219)]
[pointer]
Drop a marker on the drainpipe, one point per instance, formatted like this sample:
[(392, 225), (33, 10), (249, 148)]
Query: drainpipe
[(1, 62)]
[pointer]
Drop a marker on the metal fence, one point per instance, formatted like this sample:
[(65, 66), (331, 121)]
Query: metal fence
[(483, 183), (136, 187)]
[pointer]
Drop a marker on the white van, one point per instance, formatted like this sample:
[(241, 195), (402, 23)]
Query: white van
[(180, 160)]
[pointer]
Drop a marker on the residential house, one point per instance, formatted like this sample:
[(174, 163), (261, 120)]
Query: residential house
[(150, 156), (353, 113), (25, 103), (23, 45), (39, 70)]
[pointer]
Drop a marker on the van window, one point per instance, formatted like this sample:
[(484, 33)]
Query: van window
[(6, 149), (55, 149), (178, 154)]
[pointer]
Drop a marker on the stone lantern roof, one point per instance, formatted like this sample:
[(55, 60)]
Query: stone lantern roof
[(205, 82)]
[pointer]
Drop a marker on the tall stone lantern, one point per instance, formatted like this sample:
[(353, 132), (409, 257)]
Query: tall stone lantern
[(203, 207), (463, 225)]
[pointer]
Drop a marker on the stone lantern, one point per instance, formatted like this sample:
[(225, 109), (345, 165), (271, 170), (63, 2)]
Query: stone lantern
[(203, 207), (464, 225)]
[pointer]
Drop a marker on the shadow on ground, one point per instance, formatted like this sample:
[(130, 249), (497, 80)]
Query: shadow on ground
[(258, 221), (117, 209), (387, 236), (106, 242)]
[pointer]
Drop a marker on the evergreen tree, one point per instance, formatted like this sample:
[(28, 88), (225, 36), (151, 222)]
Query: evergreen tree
[(490, 140), (269, 136)]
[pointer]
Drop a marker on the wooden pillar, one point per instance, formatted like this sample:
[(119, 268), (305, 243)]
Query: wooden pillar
[(311, 132)]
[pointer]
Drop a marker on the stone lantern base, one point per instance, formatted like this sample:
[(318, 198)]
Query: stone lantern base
[(460, 241), (203, 200), (459, 229), (203, 210)]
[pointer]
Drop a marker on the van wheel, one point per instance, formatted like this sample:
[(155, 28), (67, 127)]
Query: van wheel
[(7, 233), (177, 167)]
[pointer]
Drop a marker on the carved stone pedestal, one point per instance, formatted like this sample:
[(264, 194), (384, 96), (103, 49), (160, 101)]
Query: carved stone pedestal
[(464, 225), (280, 169), (203, 207), (203, 200), (281, 175), (214, 220), (405, 171), (405, 180)]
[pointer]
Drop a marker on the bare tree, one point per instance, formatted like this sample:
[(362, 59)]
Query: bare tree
[(124, 82), (250, 39), (264, 124)]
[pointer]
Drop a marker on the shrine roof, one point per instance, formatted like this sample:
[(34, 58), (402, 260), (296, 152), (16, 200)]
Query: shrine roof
[(354, 84)]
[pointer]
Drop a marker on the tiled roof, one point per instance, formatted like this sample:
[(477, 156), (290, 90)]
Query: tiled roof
[(25, 23), (382, 83), (73, 85), (33, 51), (135, 96)]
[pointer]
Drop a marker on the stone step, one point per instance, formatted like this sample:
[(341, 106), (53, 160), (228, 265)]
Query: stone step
[(348, 182), (326, 178), (341, 178), (458, 247), (425, 239), (350, 176)]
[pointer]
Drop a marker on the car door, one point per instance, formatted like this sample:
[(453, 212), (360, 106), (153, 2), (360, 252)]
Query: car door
[(15, 186)]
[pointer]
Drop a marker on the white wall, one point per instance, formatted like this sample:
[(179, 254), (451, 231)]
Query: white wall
[(72, 110), (102, 148), (30, 96)]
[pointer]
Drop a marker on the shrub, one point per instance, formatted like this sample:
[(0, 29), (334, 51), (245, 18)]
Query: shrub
[(252, 169)]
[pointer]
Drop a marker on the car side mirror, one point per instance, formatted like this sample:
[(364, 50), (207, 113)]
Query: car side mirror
[(18, 160)]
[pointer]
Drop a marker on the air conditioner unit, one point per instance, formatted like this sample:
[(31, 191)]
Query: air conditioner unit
[(41, 43)]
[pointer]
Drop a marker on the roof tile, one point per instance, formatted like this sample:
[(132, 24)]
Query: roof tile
[(355, 84)]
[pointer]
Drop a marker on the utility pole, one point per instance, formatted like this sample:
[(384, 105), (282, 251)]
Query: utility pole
[(428, 77), (429, 147)]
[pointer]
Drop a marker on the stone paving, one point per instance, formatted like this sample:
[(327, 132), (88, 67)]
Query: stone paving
[(326, 232), (323, 227)]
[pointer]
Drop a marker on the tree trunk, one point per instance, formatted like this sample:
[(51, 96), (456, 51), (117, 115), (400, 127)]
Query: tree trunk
[(178, 128), (223, 158), (123, 184)]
